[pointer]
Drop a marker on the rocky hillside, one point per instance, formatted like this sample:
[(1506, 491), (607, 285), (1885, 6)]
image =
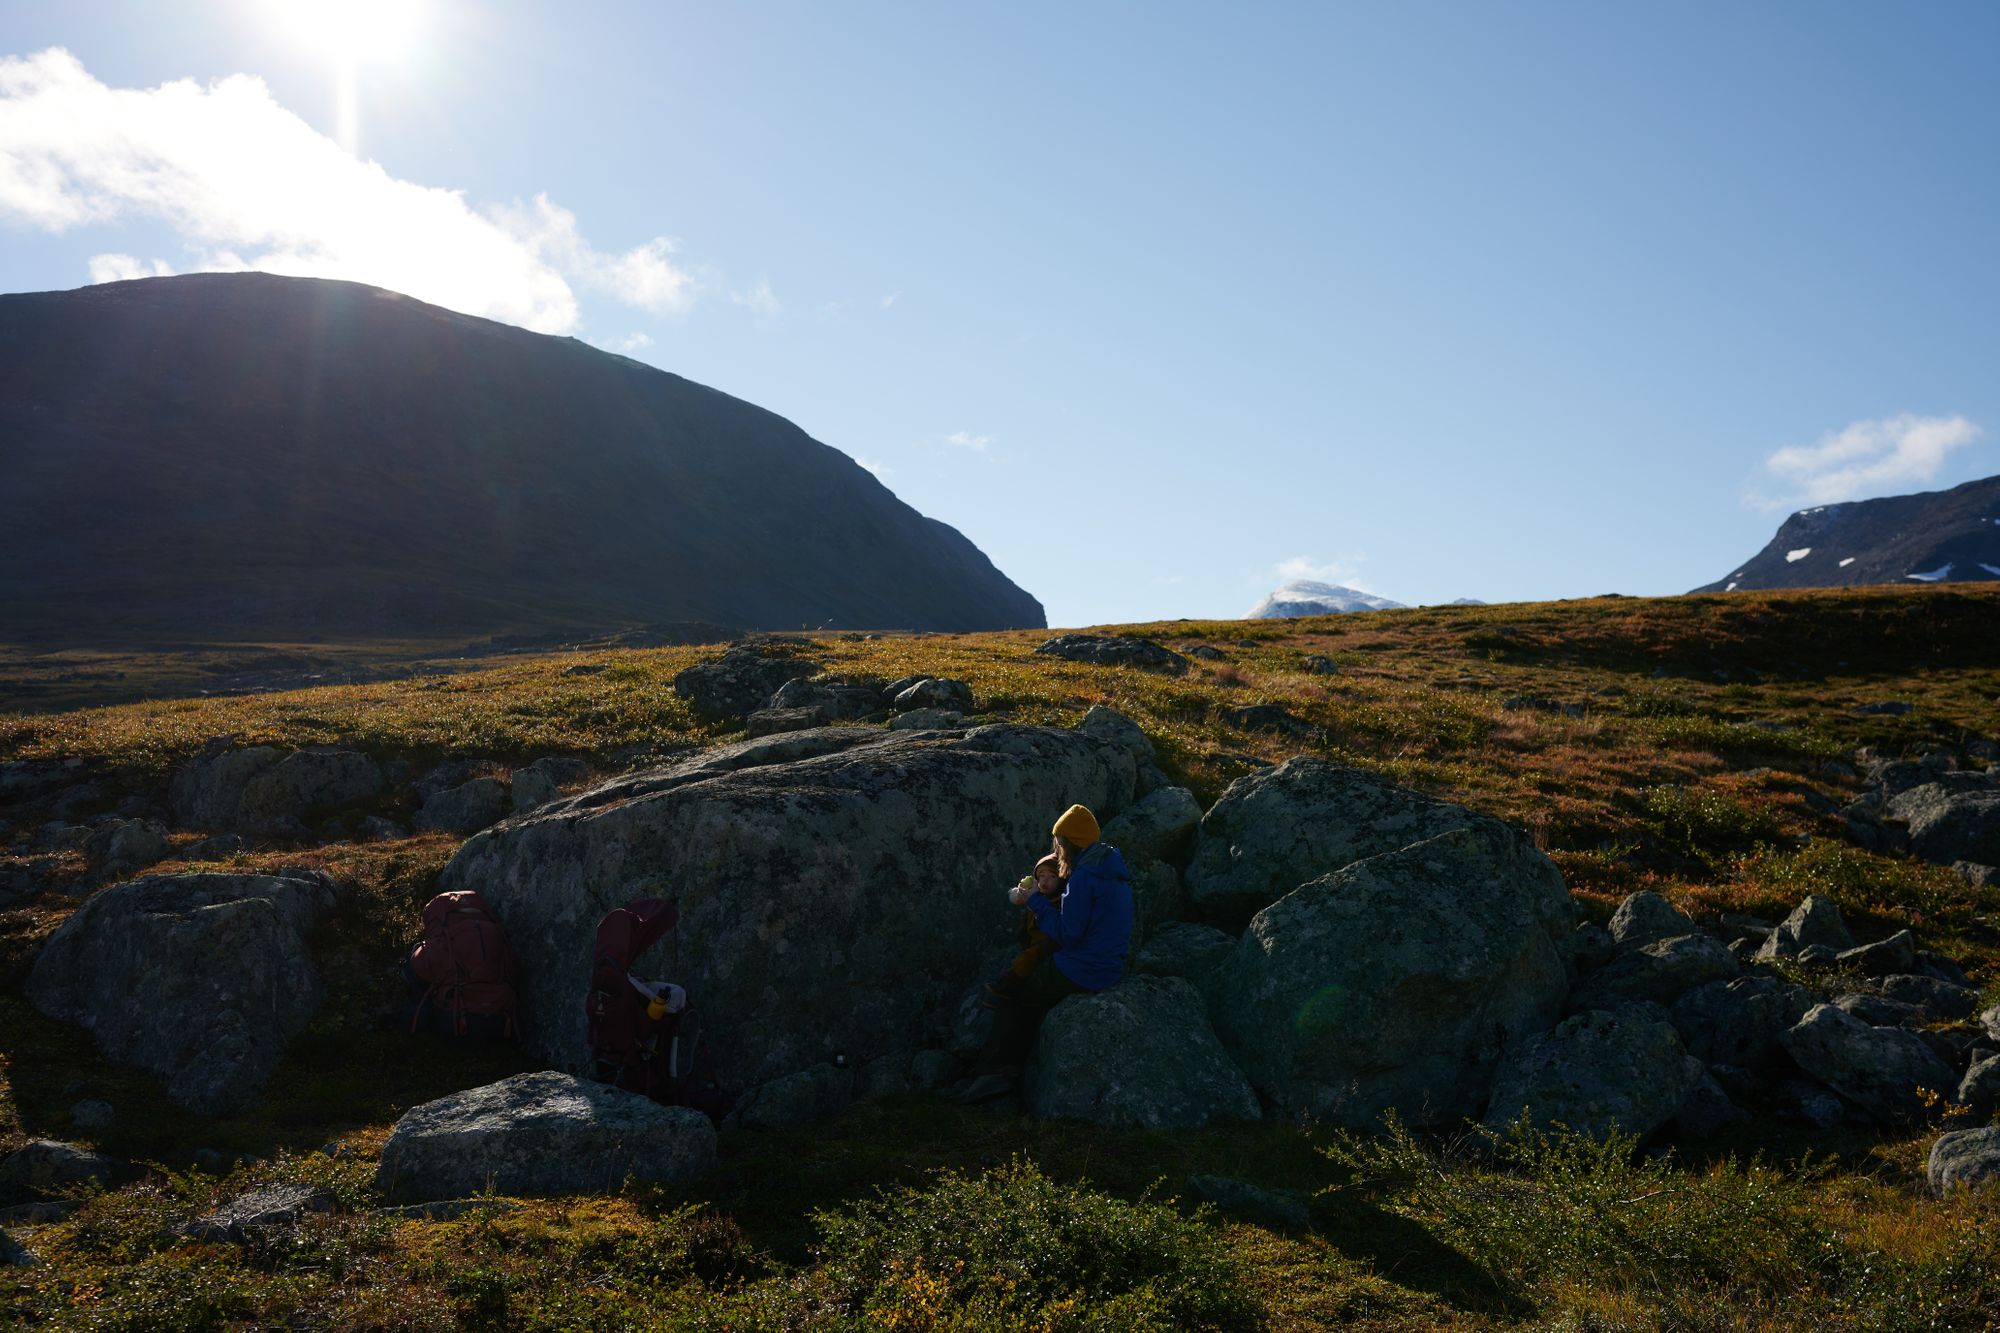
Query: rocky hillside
[(1935, 537), (243, 456), (1306, 597)]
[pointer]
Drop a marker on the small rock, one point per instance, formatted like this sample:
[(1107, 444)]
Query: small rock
[(1280, 1210), (1898, 953), (1990, 1021), (260, 1210), (1814, 1104), (1707, 1110), (1887, 708), (1270, 717), (776, 721), (543, 781), (737, 683), (884, 1076), (1980, 1088), (1817, 955), (1658, 972), (1738, 1022), (820, 1092), (42, 1168), (374, 828), (467, 808), (1936, 965), (928, 719), (1879, 1070), (1109, 650), (92, 1115), (126, 845), (1976, 875), (932, 1069), (14, 1255), (217, 848), (1207, 653), (1878, 1012), (1814, 921), (1319, 665), (1597, 1072), (1592, 947), (1965, 1159), (1646, 918), (1938, 999), (937, 692)]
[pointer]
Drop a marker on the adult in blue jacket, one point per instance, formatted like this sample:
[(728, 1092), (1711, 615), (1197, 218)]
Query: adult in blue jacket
[(1091, 926)]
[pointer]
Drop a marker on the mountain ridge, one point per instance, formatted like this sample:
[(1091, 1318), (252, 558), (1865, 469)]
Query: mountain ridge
[(1948, 536)]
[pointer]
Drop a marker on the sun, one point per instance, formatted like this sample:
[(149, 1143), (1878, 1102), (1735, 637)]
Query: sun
[(351, 30)]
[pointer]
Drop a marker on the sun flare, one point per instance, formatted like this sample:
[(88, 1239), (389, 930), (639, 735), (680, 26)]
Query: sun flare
[(352, 30)]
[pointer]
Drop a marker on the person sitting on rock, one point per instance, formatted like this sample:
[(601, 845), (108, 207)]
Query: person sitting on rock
[(1091, 928), (1048, 881)]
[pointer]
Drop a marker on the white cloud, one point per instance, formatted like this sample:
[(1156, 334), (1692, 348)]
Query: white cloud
[(891, 299), (882, 471), (1301, 569), (1867, 458), (119, 268), (760, 299), (247, 184), (965, 439)]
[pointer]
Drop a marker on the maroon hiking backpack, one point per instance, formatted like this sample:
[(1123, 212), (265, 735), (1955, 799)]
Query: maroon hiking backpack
[(660, 1057), (466, 968)]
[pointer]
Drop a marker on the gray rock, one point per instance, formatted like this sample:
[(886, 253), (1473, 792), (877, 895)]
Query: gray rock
[(1270, 717), (374, 828), (1600, 1072), (1878, 1070), (221, 846), (1990, 1021), (928, 719), (1707, 1110), (1948, 825), (1280, 1210), (1976, 875), (1813, 1104), (1936, 965), (1183, 949), (1114, 728), (773, 721), (1160, 826), (541, 1133), (269, 1209), (44, 1168), (1659, 972), (729, 688), (251, 789), (1980, 1088), (937, 692), (884, 1076), (1965, 1159), (1938, 999), (834, 700), (126, 845), (1592, 946), (15, 1255), (837, 899), (1814, 921), (1276, 829), (1738, 1022), (1878, 1012), (199, 979), (1816, 955), (1140, 1055), (1397, 982), (932, 1069), (467, 808), (1158, 897), (1898, 953), (543, 781), (92, 1115), (1206, 652), (1109, 650), (819, 1092), (1319, 665), (1647, 918)]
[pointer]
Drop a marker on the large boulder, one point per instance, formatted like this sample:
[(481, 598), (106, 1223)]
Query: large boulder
[(468, 807), (1601, 1072), (1112, 650), (1140, 1055), (1397, 982), (838, 888), (1273, 830), (1160, 826), (541, 1133), (1965, 1159), (251, 789), (1878, 1070), (737, 683), (198, 979), (1952, 822)]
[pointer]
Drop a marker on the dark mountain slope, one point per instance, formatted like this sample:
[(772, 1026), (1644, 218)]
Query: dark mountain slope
[(248, 456), (1934, 537)]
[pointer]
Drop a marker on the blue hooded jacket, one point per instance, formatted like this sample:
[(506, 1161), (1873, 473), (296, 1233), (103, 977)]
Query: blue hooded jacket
[(1092, 923)]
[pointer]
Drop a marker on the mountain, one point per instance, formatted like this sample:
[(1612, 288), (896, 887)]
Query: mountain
[(244, 456), (1303, 597), (1935, 537)]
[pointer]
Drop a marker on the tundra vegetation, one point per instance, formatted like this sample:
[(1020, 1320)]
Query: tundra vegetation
[(1700, 747)]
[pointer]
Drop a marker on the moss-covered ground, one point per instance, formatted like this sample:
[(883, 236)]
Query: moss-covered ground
[(1692, 745)]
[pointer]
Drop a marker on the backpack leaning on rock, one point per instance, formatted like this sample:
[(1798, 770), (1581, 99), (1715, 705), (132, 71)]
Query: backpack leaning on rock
[(644, 1037), (466, 968)]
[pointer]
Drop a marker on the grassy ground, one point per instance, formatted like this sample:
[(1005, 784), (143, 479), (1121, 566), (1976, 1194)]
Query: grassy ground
[(1690, 745)]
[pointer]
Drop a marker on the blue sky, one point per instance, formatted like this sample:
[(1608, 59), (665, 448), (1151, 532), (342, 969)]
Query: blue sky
[(1158, 303)]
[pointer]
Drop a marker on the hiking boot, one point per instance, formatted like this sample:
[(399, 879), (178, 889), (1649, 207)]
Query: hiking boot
[(985, 1088)]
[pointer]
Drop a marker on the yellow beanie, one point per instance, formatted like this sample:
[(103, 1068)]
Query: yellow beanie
[(1078, 825)]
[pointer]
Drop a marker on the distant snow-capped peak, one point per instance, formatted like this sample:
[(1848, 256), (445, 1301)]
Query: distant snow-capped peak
[(1305, 597)]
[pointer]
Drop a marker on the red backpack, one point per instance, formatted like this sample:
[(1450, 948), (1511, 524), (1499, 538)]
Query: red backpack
[(466, 968), (659, 1057)]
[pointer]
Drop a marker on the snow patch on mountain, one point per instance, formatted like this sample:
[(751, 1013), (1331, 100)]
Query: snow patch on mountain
[(1306, 597), (1932, 576)]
